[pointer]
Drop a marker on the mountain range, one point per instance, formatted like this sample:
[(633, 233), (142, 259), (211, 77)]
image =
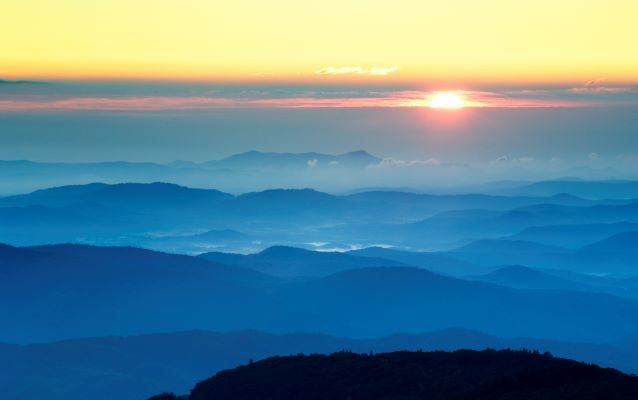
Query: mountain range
[(65, 291), (582, 188), (232, 275), (286, 169), (295, 262), (146, 214)]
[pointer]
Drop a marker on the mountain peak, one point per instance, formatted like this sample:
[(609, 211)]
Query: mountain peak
[(280, 250), (358, 153), (623, 241)]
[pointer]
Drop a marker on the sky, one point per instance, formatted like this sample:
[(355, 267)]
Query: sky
[(452, 41), (520, 84)]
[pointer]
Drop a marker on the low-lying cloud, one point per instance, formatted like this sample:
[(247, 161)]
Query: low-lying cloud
[(318, 96), (393, 163)]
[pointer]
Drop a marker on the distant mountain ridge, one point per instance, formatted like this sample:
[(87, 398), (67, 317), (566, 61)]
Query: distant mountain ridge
[(259, 170), (613, 255), (134, 213), (258, 159), (581, 188), (287, 261), (138, 289), (436, 262), (518, 276), (285, 169), (573, 235)]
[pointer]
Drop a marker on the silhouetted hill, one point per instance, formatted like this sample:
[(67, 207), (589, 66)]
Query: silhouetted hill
[(413, 203), (621, 242), (368, 300), (260, 160), (507, 246), (611, 256), (238, 173), (463, 374), (79, 290), (129, 260), (617, 253), (56, 195), (556, 214), (286, 203), (126, 195), (295, 262), (448, 229), (435, 262), (586, 189), (106, 214), (573, 235), (196, 243), (135, 367), (521, 277), (444, 229), (42, 175), (502, 252)]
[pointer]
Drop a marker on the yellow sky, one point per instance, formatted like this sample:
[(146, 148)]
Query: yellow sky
[(466, 40)]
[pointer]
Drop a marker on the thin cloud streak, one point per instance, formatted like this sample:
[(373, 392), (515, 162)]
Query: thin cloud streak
[(389, 99), (347, 70)]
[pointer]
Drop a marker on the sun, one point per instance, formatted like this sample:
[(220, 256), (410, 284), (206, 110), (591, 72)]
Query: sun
[(446, 100)]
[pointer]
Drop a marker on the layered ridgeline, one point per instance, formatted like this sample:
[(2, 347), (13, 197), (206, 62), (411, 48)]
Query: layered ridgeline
[(247, 171), (462, 375), (65, 291), (555, 273), (180, 219), (255, 170)]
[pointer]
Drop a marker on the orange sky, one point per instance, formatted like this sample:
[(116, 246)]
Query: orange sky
[(288, 40)]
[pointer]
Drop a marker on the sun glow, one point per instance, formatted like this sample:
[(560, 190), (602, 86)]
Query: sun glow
[(446, 100)]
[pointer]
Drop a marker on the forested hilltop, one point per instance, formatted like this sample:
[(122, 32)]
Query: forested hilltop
[(458, 375)]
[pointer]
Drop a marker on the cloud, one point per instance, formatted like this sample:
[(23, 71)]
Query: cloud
[(506, 159), (597, 86), (346, 70), (382, 71), (313, 163), (593, 156), (339, 70), (265, 100), (323, 98), (595, 82), (117, 103), (600, 89), (20, 82), (499, 160), (393, 162)]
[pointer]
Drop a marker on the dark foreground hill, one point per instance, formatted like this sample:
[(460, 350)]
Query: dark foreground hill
[(136, 367), (459, 375)]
